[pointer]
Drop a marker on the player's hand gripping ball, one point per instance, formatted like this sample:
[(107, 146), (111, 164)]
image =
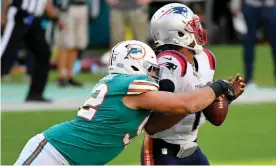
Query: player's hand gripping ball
[(216, 112)]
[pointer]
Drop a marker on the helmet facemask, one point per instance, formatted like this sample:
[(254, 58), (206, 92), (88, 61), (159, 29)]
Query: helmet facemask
[(194, 26), (193, 36), (152, 70)]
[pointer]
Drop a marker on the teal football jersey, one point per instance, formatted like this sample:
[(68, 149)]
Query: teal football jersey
[(104, 125)]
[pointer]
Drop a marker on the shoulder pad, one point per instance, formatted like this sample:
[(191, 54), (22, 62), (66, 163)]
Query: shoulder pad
[(211, 58), (170, 56)]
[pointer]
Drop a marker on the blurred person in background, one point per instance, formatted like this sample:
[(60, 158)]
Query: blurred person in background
[(256, 13), (127, 12), (22, 22), (21, 61), (71, 40), (131, 12), (221, 14), (25, 60)]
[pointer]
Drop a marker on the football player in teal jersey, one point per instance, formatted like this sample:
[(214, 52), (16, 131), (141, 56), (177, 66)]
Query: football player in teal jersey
[(116, 111)]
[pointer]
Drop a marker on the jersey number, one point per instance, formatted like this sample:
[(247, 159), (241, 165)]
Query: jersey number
[(127, 139), (196, 121), (96, 98), (88, 110)]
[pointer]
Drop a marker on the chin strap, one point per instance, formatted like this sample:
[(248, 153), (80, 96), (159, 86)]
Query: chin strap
[(197, 48)]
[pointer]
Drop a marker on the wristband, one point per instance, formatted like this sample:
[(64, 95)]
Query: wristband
[(217, 88)]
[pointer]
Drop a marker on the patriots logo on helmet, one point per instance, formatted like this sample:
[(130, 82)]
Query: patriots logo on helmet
[(177, 10), (135, 51), (170, 66)]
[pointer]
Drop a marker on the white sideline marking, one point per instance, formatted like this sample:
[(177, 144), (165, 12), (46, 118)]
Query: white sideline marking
[(250, 97)]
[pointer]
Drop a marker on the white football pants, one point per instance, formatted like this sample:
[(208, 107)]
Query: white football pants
[(38, 151)]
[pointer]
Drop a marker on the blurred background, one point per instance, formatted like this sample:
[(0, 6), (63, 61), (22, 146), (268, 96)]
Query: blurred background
[(50, 63)]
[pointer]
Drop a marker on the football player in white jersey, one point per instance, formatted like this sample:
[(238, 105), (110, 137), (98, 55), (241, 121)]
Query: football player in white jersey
[(184, 65)]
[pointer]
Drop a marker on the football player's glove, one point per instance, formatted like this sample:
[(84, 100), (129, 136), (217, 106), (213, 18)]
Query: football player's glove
[(224, 87)]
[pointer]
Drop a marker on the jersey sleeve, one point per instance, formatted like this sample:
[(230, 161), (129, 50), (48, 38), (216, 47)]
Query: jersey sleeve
[(173, 66), (142, 84), (211, 59)]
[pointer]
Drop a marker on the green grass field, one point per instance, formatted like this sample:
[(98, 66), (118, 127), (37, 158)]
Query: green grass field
[(247, 136)]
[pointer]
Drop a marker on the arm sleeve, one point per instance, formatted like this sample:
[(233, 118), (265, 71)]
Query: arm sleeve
[(142, 85), (173, 66)]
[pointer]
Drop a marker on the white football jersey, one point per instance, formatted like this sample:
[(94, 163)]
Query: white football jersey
[(175, 67)]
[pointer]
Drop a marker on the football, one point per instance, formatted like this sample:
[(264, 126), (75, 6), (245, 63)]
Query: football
[(216, 112)]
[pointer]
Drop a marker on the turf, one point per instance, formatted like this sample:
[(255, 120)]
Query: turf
[(247, 136), (230, 61)]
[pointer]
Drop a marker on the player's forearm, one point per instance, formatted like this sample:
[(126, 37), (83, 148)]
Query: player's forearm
[(174, 103), (159, 122), (181, 103), (197, 100), (194, 101), (191, 102)]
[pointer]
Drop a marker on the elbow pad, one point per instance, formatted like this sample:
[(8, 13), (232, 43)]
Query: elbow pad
[(166, 85)]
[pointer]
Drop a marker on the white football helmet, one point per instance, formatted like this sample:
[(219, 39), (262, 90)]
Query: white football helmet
[(133, 57), (177, 24)]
